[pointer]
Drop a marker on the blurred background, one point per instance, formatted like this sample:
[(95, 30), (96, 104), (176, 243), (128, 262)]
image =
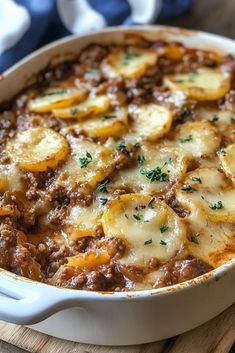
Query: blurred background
[(26, 25)]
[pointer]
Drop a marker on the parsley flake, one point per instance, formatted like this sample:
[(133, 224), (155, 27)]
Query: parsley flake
[(162, 242), (138, 216), (187, 139), (103, 200), (214, 118), (52, 92), (197, 180), (140, 159), (122, 148), (150, 204), (102, 187), (147, 242), (194, 238), (163, 228), (216, 206), (73, 111), (155, 174), (188, 188), (84, 161), (108, 117)]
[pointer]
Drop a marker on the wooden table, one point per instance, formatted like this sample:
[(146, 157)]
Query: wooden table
[(216, 16)]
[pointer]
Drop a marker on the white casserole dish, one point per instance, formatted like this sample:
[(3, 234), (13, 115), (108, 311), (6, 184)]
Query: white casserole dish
[(112, 318)]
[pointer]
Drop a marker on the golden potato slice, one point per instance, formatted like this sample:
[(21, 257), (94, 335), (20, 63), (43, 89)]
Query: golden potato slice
[(227, 159), (89, 260), (112, 124), (150, 228), (207, 189), (83, 221), (93, 105), (202, 84), (198, 138), (55, 98), (37, 149), (211, 242), (155, 170), (150, 121), (129, 63), (88, 164)]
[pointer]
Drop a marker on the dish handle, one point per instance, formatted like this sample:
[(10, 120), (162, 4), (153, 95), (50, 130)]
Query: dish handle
[(24, 302)]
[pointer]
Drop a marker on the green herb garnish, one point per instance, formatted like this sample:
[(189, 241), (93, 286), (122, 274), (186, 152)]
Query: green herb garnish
[(150, 204), (128, 56), (194, 238), (84, 161), (216, 206), (108, 117), (163, 228), (188, 188), (102, 187), (197, 180), (187, 139), (122, 148), (155, 174), (162, 242), (138, 216), (52, 92), (214, 118), (103, 200), (141, 159), (73, 111), (137, 145), (147, 242)]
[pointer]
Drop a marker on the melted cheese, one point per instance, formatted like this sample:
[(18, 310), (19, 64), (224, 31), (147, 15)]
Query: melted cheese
[(198, 139), (55, 98), (207, 189), (202, 84), (132, 62), (150, 229), (100, 163), (150, 121), (227, 159), (138, 178)]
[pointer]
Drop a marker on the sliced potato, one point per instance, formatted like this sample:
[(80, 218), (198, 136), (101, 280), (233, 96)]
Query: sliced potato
[(89, 260), (150, 121), (112, 124), (37, 149), (207, 189), (227, 159), (55, 98), (211, 242), (130, 62), (156, 168), (202, 84), (220, 118), (88, 164), (83, 221), (93, 105), (198, 138), (150, 228)]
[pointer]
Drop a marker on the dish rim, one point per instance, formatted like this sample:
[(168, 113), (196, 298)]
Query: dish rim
[(207, 278)]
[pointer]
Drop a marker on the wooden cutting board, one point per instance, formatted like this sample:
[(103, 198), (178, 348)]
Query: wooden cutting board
[(216, 336)]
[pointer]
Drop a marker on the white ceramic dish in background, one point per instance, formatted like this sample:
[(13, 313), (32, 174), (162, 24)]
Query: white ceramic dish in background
[(112, 318)]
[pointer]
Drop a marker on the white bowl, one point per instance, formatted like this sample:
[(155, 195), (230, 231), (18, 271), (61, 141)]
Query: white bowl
[(122, 318)]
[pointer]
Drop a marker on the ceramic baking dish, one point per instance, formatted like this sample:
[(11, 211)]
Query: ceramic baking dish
[(122, 318)]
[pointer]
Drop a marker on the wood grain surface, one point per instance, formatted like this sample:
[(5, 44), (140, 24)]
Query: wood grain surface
[(216, 336)]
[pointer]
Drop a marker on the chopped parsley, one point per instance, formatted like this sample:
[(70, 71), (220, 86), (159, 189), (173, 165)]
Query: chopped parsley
[(126, 216), (162, 242), (155, 174), (216, 206), (140, 159), (108, 117), (121, 146), (84, 161), (138, 216), (214, 118), (137, 145), (188, 188), (103, 200), (128, 56), (163, 228), (150, 204), (102, 187), (194, 238), (197, 180), (147, 242), (52, 92), (73, 111), (185, 112), (186, 139)]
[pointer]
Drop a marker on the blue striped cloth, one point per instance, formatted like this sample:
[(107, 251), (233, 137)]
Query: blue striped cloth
[(26, 25)]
